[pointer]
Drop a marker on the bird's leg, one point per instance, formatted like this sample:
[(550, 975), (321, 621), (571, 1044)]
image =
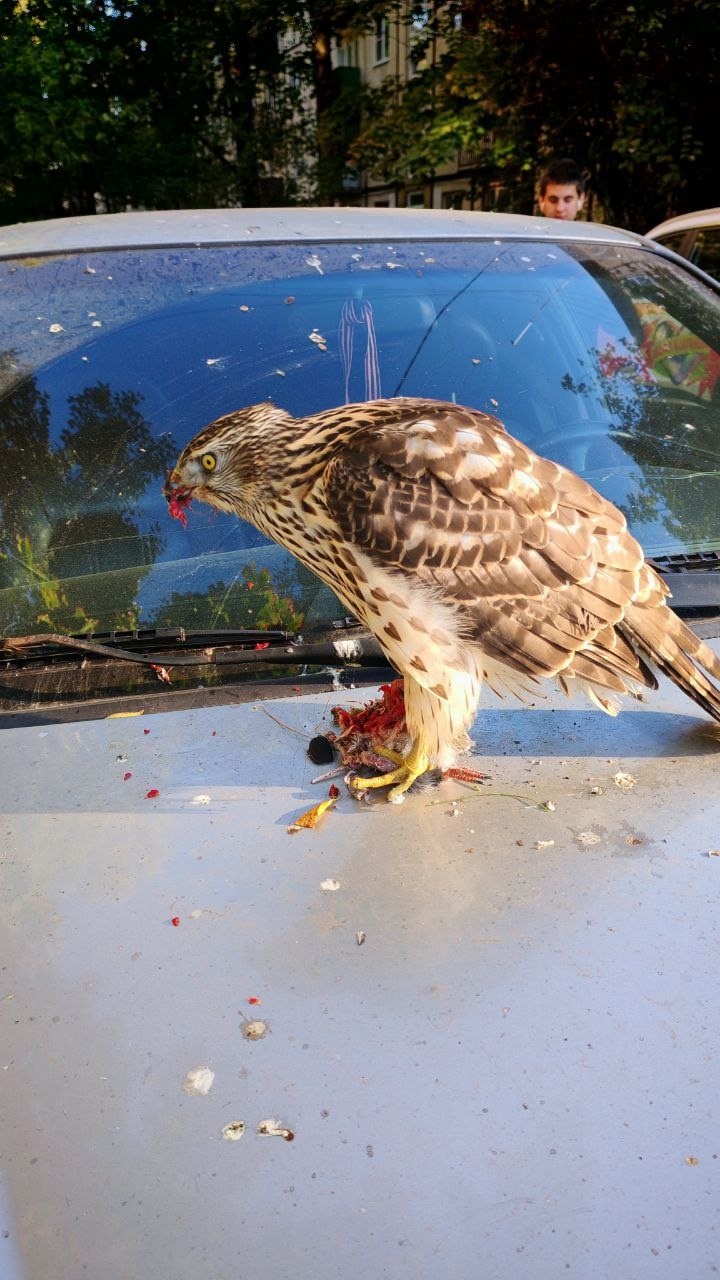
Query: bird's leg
[(412, 766), (387, 753)]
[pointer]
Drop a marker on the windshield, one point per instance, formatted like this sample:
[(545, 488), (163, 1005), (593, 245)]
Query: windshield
[(602, 357)]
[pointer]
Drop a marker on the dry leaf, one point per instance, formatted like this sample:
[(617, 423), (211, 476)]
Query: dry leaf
[(312, 816)]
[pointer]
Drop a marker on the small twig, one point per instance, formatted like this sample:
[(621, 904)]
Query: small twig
[(330, 773), (480, 795), (282, 724)]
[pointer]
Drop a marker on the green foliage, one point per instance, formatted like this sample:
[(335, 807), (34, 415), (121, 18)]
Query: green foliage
[(629, 90), (148, 103), (165, 103), (252, 600), (162, 103), (69, 529)]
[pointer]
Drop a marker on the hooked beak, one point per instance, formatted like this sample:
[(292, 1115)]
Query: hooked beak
[(172, 487)]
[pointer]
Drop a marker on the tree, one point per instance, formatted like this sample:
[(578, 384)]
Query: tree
[(54, 123), (71, 509), (168, 103), (145, 104), (173, 103), (253, 599), (608, 83), (331, 96)]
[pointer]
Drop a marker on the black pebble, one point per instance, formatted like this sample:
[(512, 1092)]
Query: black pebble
[(320, 750)]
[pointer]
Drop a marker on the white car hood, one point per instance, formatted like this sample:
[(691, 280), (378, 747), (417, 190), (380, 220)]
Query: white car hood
[(496, 1039)]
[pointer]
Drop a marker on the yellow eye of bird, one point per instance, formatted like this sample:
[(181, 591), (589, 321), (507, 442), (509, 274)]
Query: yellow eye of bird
[(209, 461)]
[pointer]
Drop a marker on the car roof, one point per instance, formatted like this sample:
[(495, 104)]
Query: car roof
[(258, 226), (687, 222)]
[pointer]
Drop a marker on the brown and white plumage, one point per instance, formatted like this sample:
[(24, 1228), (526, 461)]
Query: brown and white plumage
[(469, 556)]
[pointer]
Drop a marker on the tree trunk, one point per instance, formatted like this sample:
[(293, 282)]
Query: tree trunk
[(325, 87)]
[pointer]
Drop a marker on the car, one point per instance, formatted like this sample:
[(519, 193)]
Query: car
[(481, 1026), (696, 236)]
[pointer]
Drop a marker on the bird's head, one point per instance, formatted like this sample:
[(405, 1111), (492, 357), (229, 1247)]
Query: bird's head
[(221, 464)]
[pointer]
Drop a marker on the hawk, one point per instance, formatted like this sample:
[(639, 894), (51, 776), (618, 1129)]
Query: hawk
[(468, 556)]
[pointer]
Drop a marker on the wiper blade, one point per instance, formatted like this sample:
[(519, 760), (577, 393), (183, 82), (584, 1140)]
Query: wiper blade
[(687, 562), (187, 648), (178, 648), (693, 579)]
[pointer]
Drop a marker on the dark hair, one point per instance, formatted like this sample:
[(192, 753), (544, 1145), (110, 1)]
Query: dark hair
[(561, 173)]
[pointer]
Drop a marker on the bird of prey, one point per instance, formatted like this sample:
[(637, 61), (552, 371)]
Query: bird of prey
[(470, 557)]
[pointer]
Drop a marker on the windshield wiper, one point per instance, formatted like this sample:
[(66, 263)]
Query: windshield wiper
[(693, 579), (183, 648)]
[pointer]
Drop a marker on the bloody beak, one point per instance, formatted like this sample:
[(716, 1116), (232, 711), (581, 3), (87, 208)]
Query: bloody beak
[(170, 485)]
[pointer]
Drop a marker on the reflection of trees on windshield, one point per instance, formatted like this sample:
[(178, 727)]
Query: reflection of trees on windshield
[(254, 600), (666, 418), (71, 511)]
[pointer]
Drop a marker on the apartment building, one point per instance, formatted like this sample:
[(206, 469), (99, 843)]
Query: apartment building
[(399, 48)]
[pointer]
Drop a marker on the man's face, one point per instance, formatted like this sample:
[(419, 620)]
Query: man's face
[(561, 200)]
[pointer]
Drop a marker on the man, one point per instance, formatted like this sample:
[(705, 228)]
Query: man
[(561, 191)]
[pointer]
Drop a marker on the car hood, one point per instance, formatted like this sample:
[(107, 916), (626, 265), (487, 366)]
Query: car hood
[(488, 1016)]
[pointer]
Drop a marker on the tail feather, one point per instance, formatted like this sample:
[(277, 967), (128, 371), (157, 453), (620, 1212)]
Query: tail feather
[(667, 642)]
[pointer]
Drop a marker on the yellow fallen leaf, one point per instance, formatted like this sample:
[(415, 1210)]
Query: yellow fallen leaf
[(312, 816)]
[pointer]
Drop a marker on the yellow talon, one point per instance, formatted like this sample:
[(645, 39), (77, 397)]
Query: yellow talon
[(388, 754), (411, 767)]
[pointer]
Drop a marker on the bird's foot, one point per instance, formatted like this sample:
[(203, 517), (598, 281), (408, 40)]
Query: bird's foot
[(409, 769)]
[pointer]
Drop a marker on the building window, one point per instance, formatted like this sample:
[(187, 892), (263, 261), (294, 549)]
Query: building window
[(453, 199), (416, 200), (346, 54), (382, 40)]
